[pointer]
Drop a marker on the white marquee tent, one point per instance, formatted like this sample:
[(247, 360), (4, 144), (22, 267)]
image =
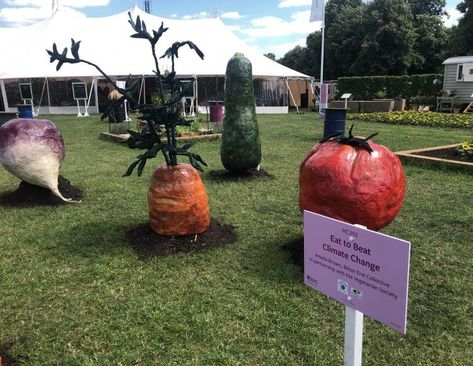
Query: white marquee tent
[(106, 41)]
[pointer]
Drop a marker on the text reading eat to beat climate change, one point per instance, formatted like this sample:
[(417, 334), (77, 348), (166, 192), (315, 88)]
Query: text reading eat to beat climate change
[(340, 248)]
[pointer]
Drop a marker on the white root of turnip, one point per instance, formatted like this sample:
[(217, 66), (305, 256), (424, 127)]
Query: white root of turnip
[(33, 150)]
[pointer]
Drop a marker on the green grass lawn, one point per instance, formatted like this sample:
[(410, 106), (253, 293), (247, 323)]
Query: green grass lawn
[(72, 291)]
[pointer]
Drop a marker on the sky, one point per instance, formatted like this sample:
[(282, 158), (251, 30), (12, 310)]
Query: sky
[(275, 26)]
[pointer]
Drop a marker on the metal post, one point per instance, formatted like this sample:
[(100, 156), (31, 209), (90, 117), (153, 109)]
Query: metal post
[(322, 47), (78, 109), (4, 95)]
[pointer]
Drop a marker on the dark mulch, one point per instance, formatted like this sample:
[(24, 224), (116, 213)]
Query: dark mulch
[(226, 175), (148, 245), (450, 153), (296, 251), (28, 195)]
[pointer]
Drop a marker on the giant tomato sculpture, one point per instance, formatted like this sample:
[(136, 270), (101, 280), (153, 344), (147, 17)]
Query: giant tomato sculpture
[(353, 180)]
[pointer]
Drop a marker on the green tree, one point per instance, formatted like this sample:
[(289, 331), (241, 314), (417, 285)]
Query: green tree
[(343, 40), (297, 59), (313, 48), (389, 36), (431, 7), (463, 34), (431, 35), (392, 37), (334, 8), (271, 56)]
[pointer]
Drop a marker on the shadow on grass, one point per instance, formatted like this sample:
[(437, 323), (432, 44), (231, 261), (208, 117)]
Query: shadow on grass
[(295, 248), (88, 240), (226, 175)]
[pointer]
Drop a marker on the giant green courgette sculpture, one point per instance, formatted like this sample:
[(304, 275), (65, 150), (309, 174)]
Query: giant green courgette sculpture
[(241, 146)]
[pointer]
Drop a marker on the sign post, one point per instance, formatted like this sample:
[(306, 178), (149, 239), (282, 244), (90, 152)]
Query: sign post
[(365, 270), (345, 97), (353, 333), (79, 93), (353, 336)]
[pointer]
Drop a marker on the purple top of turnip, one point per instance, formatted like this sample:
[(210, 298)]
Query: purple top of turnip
[(32, 131)]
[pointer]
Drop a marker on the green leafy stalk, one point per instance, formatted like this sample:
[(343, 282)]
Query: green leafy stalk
[(167, 112)]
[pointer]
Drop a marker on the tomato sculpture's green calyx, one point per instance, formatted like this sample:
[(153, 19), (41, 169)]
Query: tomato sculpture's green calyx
[(351, 140)]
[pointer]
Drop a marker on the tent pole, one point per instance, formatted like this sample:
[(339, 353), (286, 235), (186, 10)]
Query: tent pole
[(312, 88), (86, 113), (322, 50), (96, 90), (292, 97), (42, 94), (4, 95), (141, 89), (196, 94), (144, 90), (49, 96)]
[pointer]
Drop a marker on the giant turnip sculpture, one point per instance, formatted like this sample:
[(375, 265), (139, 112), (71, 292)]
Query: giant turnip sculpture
[(33, 150)]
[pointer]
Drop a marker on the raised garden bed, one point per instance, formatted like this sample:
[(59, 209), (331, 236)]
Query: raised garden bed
[(440, 155)]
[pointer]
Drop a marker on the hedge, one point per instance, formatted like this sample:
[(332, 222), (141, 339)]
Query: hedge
[(407, 86)]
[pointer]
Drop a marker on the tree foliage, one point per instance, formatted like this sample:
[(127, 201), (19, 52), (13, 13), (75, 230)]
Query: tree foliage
[(463, 33), (271, 56), (297, 59), (389, 37), (380, 37)]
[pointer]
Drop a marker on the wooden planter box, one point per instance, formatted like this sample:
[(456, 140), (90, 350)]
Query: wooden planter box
[(352, 106), (415, 155), (384, 105), (369, 106)]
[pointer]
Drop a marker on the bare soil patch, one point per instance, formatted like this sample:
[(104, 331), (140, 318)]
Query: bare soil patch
[(148, 245), (29, 195)]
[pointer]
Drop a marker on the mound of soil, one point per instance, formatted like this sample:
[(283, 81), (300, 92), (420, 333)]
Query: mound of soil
[(226, 175), (29, 195), (148, 245)]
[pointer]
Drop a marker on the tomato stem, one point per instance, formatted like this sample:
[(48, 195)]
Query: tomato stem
[(351, 140)]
